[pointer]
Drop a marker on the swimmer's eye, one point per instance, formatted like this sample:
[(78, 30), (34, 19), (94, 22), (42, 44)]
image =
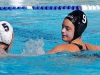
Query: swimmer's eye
[(66, 27)]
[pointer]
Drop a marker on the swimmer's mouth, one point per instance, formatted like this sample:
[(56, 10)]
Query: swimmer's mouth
[(63, 35)]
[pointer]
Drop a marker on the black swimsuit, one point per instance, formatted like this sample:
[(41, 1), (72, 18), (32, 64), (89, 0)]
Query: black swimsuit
[(80, 47)]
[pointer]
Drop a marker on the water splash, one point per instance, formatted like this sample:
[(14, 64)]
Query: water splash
[(34, 48)]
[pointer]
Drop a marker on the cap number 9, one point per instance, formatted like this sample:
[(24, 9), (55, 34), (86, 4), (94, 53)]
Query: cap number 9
[(84, 18)]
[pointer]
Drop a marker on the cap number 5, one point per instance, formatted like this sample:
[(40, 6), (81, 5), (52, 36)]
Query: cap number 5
[(5, 26)]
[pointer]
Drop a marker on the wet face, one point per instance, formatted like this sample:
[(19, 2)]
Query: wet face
[(67, 30)]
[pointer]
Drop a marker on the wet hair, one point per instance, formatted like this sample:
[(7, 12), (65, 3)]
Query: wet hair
[(79, 20)]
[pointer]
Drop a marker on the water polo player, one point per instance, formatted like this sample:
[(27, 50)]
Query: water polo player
[(72, 28), (6, 36)]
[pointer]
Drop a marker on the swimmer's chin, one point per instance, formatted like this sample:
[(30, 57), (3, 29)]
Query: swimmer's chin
[(65, 40)]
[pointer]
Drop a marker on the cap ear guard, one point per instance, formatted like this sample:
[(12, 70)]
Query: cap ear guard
[(6, 32)]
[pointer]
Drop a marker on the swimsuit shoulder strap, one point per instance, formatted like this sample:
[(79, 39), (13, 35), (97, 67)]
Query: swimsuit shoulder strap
[(79, 46), (86, 47)]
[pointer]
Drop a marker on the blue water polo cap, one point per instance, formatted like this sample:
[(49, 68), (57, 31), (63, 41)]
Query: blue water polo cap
[(79, 20)]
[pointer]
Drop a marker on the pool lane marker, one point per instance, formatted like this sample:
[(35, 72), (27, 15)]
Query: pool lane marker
[(81, 7), (42, 8), (90, 7)]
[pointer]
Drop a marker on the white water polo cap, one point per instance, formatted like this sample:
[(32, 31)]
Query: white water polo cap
[(6, 32)]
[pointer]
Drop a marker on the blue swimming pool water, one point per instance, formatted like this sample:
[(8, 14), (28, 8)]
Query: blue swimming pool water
[(41, 30)]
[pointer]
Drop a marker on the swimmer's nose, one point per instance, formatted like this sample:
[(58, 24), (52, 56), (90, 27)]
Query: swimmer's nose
[(63, 30)]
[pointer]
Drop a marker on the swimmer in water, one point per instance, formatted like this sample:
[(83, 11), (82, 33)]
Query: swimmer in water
[(6, 37), (72, 28)]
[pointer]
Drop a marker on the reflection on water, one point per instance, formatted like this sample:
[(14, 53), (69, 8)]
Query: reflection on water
[(47, 2), (16, 2)]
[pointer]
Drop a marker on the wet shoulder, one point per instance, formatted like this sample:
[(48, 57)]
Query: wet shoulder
[(64, 47), (92, 47)]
